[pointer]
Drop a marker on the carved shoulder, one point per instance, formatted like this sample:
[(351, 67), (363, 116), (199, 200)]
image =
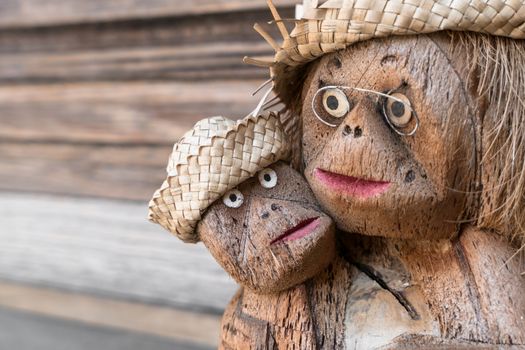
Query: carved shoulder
[(469, 289)]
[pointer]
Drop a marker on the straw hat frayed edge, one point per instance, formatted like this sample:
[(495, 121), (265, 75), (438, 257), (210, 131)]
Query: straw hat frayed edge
[(166, 206)]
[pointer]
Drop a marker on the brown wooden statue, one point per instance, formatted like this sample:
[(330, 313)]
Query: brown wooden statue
[(267, 232), (275, 241), (417, 173), (414, 144), (407, 120)]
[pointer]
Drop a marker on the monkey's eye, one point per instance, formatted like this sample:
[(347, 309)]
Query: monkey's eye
[(330, 105), (335, 103), (268, 178), (233, 199), (399, 114), (398, 110)]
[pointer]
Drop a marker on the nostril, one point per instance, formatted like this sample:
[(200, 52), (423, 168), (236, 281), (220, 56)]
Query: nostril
[(275, 207), (410, 177), (265, 215), (358, 132), (347, 130)]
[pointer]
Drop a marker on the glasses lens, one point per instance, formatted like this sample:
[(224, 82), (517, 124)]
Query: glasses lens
[(331, 105)]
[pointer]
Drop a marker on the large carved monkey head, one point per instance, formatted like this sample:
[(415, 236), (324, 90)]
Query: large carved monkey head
[(389, 138)]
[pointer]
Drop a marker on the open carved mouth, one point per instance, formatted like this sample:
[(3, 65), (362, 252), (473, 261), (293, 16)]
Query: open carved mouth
[(303, 229), (353, 186)]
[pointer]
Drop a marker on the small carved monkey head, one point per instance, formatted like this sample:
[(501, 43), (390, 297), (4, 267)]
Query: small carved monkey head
[(228, 187), (269, 233)]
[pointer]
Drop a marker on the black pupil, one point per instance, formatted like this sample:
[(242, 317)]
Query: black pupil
[(267, 178), (332, 103), (233, 197), (398, 109)]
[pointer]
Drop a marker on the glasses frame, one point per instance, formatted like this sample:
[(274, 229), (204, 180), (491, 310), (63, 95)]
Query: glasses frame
[(387, 96)]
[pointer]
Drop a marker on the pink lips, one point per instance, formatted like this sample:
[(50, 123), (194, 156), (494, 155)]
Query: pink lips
[(351, 185), (303, 229)]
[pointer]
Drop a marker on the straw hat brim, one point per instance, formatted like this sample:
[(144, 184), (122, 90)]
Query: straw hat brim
[(214, 157), (326, 26)]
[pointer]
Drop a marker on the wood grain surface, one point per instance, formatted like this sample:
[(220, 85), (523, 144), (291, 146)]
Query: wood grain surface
[(208, 61), (88, 310), (117, 112), (207, 47), (93, 108), (50, 333), (106, 248), (30, 13), (93, 94), (104, 139), (113, 171)]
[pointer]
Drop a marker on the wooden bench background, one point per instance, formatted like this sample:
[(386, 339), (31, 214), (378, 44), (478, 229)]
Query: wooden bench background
[(93, 94)]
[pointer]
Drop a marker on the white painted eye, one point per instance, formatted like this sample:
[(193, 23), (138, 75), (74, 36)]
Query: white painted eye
[(398, 110), (268, 178), (335, 103), (233, 199)]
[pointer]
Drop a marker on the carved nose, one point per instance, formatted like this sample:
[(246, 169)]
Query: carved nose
[(273, 207), (356, 132), (359, 116)]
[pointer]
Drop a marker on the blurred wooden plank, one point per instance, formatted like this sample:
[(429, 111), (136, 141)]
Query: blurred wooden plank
[(111, 113), (208, 61), (91, 311), (107, 248), (51, 333), (30, 13), (204, 48), (112, 171), (104, 139), (225, 28)]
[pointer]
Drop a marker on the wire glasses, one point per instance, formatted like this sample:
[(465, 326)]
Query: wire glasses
[(330, 105)]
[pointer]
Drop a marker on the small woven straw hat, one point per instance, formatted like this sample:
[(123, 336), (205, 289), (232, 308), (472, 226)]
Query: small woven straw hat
[(215, 156), (327, 26)]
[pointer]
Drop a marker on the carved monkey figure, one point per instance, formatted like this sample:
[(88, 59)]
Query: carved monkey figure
[(270, 235), (423, 203), (257, 216)]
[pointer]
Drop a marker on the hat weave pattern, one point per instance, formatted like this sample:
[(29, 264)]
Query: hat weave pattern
[(215, 156), (326, 26), (331, 25)]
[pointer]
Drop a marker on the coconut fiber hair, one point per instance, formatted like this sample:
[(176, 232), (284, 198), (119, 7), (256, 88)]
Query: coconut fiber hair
[(498, 70), (497, 59), (499, 66)]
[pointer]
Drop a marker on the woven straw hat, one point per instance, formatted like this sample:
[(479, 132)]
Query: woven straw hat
[(215, 156), (325, 26)]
